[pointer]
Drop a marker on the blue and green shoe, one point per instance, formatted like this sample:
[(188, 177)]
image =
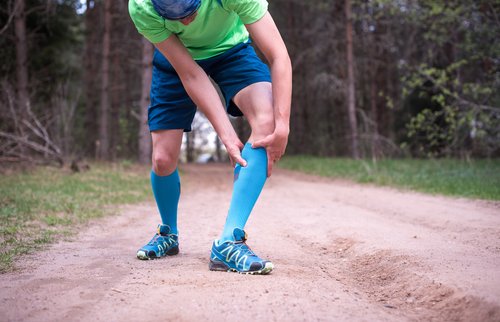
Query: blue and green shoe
[(236, 256), (163, 243)]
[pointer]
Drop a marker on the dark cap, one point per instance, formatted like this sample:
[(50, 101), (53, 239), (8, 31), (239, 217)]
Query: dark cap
[(176, 9)]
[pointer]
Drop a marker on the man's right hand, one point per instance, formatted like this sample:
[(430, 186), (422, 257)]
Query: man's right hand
[(234, 148)]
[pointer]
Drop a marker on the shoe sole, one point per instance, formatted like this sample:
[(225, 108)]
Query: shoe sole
[(221, 267), (143, 256)]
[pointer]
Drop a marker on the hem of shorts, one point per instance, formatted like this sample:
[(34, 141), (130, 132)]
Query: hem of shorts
[(159, 128), (245, 85)]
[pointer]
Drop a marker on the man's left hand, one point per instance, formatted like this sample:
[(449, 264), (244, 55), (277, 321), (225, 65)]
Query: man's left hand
[(275, 145)]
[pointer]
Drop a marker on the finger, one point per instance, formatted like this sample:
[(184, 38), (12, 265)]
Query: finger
[(273, 156), (263, 142), (269, 167), (238, 159)]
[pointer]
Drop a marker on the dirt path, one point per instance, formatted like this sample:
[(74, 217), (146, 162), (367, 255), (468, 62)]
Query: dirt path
[(342, 252)]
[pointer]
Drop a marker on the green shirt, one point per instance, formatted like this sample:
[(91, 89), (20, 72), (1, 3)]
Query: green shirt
[(215, 29)]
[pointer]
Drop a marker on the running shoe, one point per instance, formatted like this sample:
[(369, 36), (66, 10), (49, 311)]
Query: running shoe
[(163, 243), (236, 256)]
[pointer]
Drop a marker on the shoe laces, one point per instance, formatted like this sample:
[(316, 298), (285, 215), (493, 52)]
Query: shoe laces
[(154, 241), (246, 250)]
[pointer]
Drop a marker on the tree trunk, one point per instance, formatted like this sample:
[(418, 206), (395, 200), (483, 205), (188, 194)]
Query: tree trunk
[(190, 140), (91, 63), (351, 99), (218, 152), (103, 147), (116, 97), (21, 58), (144, 135), (375, 148)]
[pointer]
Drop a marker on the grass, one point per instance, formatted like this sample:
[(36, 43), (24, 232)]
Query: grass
[(476, 179), (42, 205)]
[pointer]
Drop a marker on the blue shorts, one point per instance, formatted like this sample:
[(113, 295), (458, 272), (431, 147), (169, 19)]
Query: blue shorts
[(172, 108)]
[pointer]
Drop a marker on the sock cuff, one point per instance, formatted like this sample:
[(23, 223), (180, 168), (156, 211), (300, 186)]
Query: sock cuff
[(158, 177), (249, 152)]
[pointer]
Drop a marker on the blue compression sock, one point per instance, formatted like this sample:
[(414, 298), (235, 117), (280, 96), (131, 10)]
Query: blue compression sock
[(167, 190), (248, 183)]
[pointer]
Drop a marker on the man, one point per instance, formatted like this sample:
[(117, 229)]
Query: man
[(195, 39)]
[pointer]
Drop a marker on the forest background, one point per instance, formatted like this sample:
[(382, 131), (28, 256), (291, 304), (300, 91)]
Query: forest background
[(371, 79)]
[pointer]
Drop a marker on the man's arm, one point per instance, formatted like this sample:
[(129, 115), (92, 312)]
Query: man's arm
[(267, 37), (202, 92)]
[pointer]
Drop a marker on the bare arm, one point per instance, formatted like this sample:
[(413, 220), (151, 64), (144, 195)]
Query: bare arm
[(267, 37), (202, 92)]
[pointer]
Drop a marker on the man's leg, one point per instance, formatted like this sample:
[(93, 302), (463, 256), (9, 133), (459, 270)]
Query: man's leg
[(255, 101), (166, 189), (230, 252), (164, 175)]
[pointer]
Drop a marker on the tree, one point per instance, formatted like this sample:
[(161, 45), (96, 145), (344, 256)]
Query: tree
[(103, 146), (351, 90), (21, 57), (450, 88), (144, 135), (90, 77)]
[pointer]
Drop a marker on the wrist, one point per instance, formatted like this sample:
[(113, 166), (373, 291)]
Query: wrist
[(228, 137), (282, 128), (225, 131)]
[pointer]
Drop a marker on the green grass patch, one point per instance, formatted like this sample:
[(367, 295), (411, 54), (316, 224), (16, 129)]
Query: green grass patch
[(474, 179), (44, 204)]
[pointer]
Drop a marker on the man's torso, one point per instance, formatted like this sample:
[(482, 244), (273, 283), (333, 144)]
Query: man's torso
[(218, 25)]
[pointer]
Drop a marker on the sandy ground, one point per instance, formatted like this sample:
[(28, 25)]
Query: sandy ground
[(342, 252)]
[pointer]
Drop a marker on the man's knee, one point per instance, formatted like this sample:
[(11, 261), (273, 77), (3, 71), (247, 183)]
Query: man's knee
[(164, 163), (264, 124)]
